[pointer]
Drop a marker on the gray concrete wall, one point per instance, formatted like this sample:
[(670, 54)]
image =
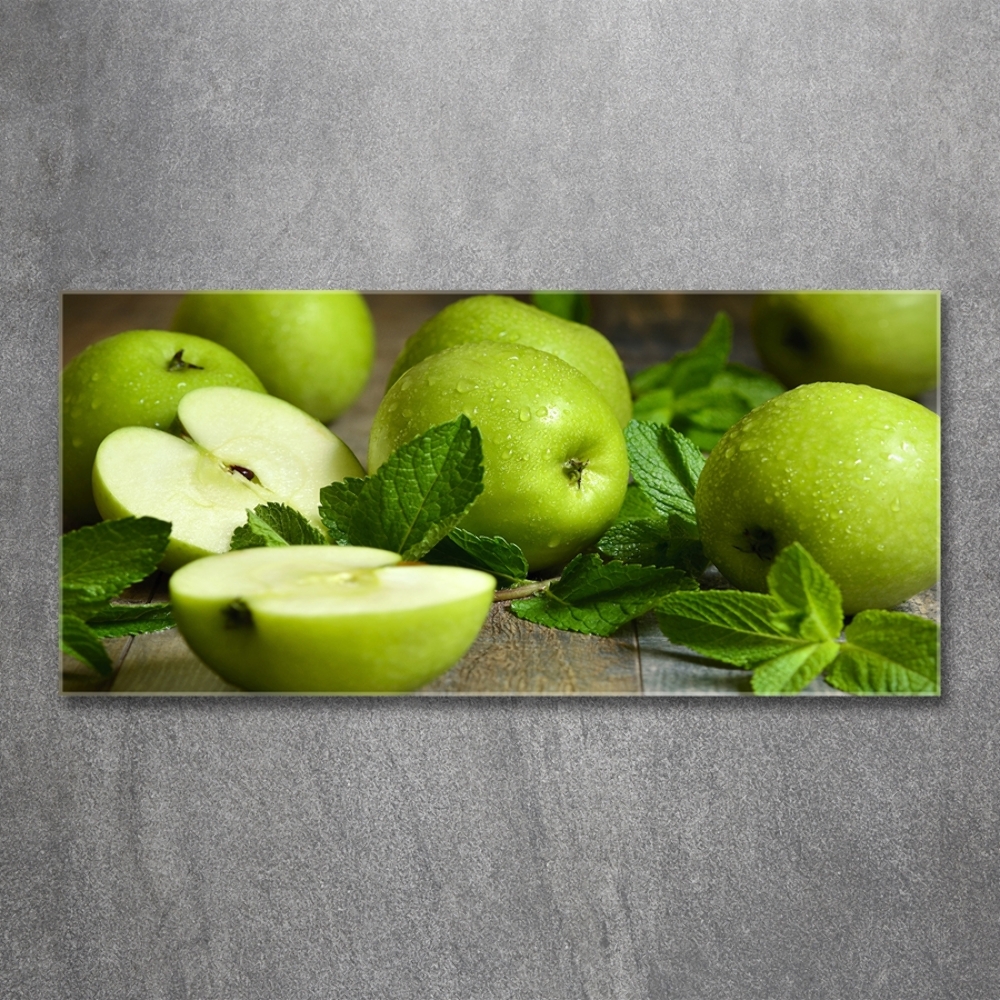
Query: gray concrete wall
[(502, 848)]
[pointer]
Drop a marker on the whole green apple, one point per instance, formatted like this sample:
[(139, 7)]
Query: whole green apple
[(238, 449), (134, 379), (328, 618), (313, 349), (555, 467), (851, 472), (888, 340), (506, 320)]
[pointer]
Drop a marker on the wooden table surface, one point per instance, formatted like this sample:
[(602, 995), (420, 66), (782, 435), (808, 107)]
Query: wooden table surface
[(510, 656)]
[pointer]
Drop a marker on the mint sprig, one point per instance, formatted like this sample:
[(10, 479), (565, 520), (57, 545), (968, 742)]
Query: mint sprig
[(665, 466), (791, 635), (98, 563), (641, 535), (495, 555), (416, 498), (596, 597), (699, 392), (275, 524)]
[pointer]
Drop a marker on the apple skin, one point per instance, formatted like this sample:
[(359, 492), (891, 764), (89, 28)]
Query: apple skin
[(328, 618), (199, 483), (128, 381), (888, 340), (554, 458), (313, 349), (851, 472), (501, 318)]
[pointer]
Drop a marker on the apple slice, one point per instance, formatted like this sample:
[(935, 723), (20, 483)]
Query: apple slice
[(312, 618), (240, 449)]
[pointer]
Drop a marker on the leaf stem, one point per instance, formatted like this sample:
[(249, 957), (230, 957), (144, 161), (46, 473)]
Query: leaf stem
[(525, 590)]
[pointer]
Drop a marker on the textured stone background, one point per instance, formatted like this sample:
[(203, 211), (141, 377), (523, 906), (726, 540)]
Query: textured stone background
[(500, 848)]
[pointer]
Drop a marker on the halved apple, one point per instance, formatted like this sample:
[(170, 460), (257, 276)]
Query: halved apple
[(311, 618), (238, 449)]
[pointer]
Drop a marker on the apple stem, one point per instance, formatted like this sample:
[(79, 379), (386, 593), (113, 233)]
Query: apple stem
[(574, 469), (178, 364), (525, 590)]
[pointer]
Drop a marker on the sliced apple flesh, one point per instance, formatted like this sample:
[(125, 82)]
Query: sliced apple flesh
[(238, 449), (312, 618)]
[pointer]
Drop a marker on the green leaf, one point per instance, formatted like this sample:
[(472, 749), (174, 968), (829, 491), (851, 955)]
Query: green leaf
[(81, 642), (275, 524), (116, 620), (421, 493), (888, 652), (656, 407), (791, 671), (728, 625), (495, 555), (755, 387), (597, 597), (654, 543), (666, 467), (336, 507), (692, 369), (100, 561), (574, 306), (811, 606)]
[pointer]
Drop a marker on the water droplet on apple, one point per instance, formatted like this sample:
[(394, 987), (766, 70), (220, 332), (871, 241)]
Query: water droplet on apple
[(525, 413), (463, 385), (895, 506), (542, 411)]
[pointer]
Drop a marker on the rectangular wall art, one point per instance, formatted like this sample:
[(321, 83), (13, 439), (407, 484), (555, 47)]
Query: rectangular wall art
[(541, 493)]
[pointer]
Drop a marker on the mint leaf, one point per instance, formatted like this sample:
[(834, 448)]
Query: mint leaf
[(790, 672), (640, 535), (424, 489), (810, 601), (116, 620), (697, 392), (666, 467), (100, 561), (802, 608), (752, 386), (81, 642), (659, 542), (597, 597), (888, 652), (274, 524), (728, 625), (495, 555), (574, 306), (692, 369), (336, 507)]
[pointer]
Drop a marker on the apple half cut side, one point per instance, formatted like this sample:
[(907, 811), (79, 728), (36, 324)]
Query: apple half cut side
[(339, 619), (239, 449)]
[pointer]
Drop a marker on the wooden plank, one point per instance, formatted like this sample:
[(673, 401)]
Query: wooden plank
[(162, 663), (512, 656)]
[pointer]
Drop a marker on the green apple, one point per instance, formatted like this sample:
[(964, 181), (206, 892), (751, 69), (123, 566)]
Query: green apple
[(503, 319), (238, 449), (328, 618), (851, 472), (555, 467), (888, 340), (313, 349), (134, 379)]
